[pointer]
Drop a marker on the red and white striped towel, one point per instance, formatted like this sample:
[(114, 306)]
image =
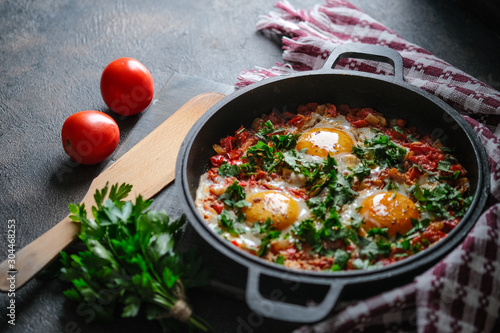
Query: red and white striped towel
[(462, 292)]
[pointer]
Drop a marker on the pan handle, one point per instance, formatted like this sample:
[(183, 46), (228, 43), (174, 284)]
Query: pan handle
[(367, 52), (281, 310)]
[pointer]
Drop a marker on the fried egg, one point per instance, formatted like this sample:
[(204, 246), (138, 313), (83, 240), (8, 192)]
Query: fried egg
[(280, 208), (325, 136), (324, 141), (333, 136), (390, 210), (383, 209), (273, 201)]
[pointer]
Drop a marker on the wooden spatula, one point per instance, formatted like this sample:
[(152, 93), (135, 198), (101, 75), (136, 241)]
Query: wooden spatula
[(149, 166)]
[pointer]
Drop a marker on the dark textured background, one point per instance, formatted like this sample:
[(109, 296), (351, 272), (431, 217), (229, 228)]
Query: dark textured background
[(52, 54)]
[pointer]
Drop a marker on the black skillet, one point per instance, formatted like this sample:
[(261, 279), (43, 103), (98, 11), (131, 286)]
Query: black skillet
[(389, 94)]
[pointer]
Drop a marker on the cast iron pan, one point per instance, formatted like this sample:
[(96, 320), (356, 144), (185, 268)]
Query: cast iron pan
[(389, 94)]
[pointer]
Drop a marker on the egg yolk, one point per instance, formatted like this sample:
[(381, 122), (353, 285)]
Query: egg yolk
[(388, 210), (323, 141), (278, 207)]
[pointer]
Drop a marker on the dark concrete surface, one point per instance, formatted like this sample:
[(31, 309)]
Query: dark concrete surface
[(52, 54)]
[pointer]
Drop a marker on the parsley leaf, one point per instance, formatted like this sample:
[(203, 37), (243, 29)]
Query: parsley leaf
[(378, 231), (266, 242), (341, 193), (399, 130), (264, 156), (356, 221), (307, 231), (318, 206), (361, 170), (382, 151), (362, 264), (331, 230), (340, 259), (265, 130), (229, 224), (279, 259), (418, 226), (374, 249), (228, 170), (439, 200), (445, 165), (295, 160), (465, 207), (321, 176), (285, 141), (234, 196)]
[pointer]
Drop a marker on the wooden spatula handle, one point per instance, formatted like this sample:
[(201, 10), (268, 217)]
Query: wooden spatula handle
[(36, 255)]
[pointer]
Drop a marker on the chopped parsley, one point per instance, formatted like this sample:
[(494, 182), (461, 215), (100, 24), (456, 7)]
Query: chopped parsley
[(265, 156), (234, 196), (321, 176), (330, 231), (418, 226), (378, 231), (228, 170), (279, 259), (445, 165), (361, 170), (285, 141), (266, 129), (356, 221), (440, 200), (266, 242), (229, 223), (382, 151), (340, 259), (373, 249)]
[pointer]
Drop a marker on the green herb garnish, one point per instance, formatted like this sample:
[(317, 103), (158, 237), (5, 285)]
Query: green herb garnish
[(228, 170), (340, 259), (285, 141), (361, 170), (229, 224), (265, 156), (279, 259), (382, 151), (439, 200), (234, 196), (266, 129)]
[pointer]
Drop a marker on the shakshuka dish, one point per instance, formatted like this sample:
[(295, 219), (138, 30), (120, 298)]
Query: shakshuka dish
[(330, 188)]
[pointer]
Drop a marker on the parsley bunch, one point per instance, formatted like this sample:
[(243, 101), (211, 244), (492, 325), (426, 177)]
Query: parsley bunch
[(130, 263)]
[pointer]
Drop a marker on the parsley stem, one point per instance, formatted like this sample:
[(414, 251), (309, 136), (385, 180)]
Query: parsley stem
[(168, 303)]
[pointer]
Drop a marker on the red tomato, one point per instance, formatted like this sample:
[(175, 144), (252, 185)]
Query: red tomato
[(297, 121), (127, 86), (360, 123), (89, 137), (218, 160)]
